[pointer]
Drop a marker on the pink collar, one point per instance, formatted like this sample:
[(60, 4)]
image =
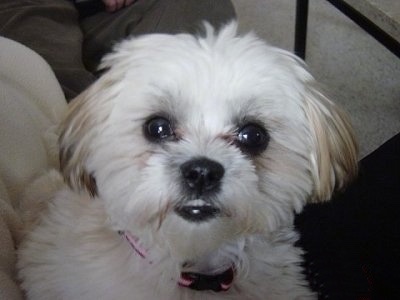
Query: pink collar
[(196, 281), (134, 241)]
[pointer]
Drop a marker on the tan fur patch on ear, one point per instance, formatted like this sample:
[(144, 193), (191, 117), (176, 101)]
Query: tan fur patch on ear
[(89, 182), (77, 178), (335, 160)]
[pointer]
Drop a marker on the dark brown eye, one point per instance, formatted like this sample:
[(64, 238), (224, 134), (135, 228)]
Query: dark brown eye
[(158, 129), (252, 138)]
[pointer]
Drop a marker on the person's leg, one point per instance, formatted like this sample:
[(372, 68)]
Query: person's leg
[(103, 30), (50, 28)]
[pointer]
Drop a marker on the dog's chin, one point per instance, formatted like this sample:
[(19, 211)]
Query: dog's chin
[(200, 227), (188, 240), (191, 227)]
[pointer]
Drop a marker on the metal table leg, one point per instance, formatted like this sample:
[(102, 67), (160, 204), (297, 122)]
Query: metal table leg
[(300, 39), (301, 27)]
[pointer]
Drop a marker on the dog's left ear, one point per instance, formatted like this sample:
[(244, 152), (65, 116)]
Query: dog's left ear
[(334, 157)]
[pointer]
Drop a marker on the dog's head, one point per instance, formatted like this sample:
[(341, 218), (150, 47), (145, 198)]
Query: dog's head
[(204, 139)]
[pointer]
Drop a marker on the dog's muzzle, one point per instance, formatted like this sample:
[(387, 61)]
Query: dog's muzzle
[(201, 179)]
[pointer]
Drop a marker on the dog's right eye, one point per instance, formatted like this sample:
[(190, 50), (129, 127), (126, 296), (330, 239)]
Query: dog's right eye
[(158, 129)]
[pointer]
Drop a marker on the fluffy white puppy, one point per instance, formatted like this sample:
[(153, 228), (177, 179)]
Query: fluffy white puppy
[(184, 165)]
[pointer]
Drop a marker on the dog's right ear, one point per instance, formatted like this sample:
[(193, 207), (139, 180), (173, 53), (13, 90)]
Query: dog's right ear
[(85, 118), (73, 138)]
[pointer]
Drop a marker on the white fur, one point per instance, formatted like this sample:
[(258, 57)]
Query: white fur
[(208, 85)]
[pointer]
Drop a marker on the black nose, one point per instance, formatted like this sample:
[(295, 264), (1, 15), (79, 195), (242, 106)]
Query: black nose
[(202, 175)]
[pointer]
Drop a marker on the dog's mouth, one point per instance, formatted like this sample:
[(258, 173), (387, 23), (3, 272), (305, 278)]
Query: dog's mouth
[(197, 211)]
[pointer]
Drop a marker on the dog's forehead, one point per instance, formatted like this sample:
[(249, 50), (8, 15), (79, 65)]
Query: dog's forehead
[(215, 62), (212, 81)]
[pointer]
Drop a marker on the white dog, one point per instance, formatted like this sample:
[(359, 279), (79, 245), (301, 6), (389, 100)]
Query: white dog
[(184, 165)]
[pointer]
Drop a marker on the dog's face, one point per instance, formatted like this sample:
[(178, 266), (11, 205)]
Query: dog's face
[(205, 139)]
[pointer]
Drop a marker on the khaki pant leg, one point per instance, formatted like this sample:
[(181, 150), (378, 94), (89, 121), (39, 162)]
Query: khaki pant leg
[(50, 28), (103, 29)]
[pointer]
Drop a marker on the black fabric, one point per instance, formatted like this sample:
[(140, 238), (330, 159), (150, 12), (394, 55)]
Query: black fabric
[(89, 8), (352, 243)]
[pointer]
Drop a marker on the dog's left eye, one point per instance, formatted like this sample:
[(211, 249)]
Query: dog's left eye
[(158, 129), (252, 138)]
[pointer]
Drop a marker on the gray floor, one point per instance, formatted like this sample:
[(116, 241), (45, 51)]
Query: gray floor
[(357, 71)]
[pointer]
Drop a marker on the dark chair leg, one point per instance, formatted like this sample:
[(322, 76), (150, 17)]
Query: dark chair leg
[(300, 38)]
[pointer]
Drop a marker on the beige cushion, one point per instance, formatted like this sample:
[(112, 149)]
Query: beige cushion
[(31, 105)]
